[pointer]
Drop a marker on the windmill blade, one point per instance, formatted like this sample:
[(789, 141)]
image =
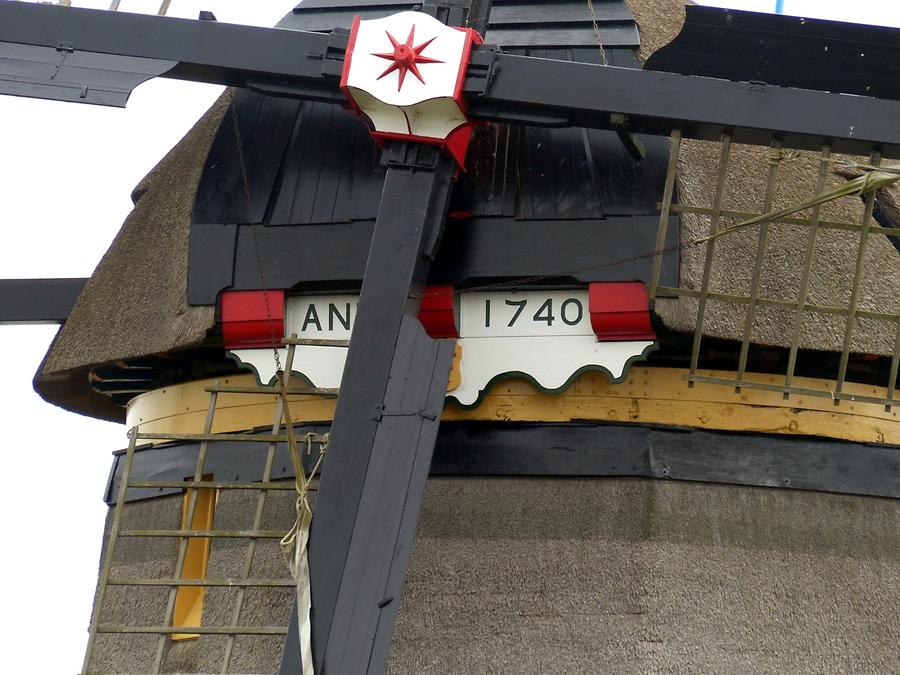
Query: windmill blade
[(96, 56), (509, 87), (38, 300), (385, 425)]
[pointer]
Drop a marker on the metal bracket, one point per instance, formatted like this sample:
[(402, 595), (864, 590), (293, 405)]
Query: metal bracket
[(335, 51), (64, 49), (619, 124), (481, 71), (381, 413), (413, 156), (450, 12)]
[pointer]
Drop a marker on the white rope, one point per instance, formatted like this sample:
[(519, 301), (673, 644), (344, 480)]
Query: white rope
[(295, 546)]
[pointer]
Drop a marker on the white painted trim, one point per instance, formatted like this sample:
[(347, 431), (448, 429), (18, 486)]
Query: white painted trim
[(538, 344)]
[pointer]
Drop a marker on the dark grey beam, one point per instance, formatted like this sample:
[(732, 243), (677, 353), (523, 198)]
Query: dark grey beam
[(38, 300), (95, 56), (385, 425), (561, 93), (46, 51), (387, 415)]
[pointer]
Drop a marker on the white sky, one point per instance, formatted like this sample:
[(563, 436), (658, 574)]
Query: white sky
[(66, 173)]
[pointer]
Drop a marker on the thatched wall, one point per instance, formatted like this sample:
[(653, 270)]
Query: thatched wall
[(582, 575), (594, 576)]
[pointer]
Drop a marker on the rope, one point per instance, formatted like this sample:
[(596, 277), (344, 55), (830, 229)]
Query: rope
[(590, 5), (295, 543), (861, 185), (873, 179), (612, 263), (245, 183)]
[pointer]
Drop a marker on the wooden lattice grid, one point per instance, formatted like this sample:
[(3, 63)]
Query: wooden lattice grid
[(800, 307)]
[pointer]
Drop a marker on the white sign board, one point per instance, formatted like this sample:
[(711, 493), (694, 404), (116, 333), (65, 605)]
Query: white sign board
[(545, 336)]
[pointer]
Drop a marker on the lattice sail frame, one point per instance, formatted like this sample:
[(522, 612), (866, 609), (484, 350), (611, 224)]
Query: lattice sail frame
[(800, 307), (280, 433)]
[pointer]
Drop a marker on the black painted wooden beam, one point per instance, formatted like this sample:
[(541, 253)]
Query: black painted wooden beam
[(38, 300), (506, 87), (385, 425), (44, 49), (387, 415), (96, 56)]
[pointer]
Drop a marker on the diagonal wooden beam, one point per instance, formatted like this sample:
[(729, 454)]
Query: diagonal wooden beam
[(385, 425)]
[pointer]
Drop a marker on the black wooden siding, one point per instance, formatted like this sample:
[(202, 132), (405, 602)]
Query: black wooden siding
[(315, 164)]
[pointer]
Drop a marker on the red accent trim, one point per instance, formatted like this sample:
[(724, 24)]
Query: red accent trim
[(456, 143), (473, 37), (348, 55), (620, 311), (246, 320), (345, 73), (437, 312)]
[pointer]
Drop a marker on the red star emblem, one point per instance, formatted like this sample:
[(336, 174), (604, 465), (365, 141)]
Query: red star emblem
[(406, 58)]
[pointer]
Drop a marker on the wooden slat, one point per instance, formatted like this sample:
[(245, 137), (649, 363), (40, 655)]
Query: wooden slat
[(665, 210), (250, 553), (226, 583), (163, 631), (783, 304), (724, 155), (809, 257), (858, 272), (762, 239)]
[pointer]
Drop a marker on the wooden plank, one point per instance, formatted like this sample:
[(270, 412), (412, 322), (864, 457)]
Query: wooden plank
[(647, 395)]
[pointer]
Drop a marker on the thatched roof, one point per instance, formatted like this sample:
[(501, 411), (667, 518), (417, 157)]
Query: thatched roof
[(135, 303)]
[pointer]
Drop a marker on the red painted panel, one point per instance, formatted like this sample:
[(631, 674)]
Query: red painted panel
[(437, 312), (620, 311), (252, 318)]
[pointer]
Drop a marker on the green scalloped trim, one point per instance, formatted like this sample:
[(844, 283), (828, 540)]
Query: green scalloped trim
[(243, 365)]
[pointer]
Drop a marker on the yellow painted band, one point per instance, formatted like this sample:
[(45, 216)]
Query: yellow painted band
[(648, 395)]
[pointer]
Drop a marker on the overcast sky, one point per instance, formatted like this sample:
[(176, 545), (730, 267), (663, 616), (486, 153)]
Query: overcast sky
[(66, 173)]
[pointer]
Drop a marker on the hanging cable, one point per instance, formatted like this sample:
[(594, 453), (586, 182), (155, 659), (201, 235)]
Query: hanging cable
[(590, 5)]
